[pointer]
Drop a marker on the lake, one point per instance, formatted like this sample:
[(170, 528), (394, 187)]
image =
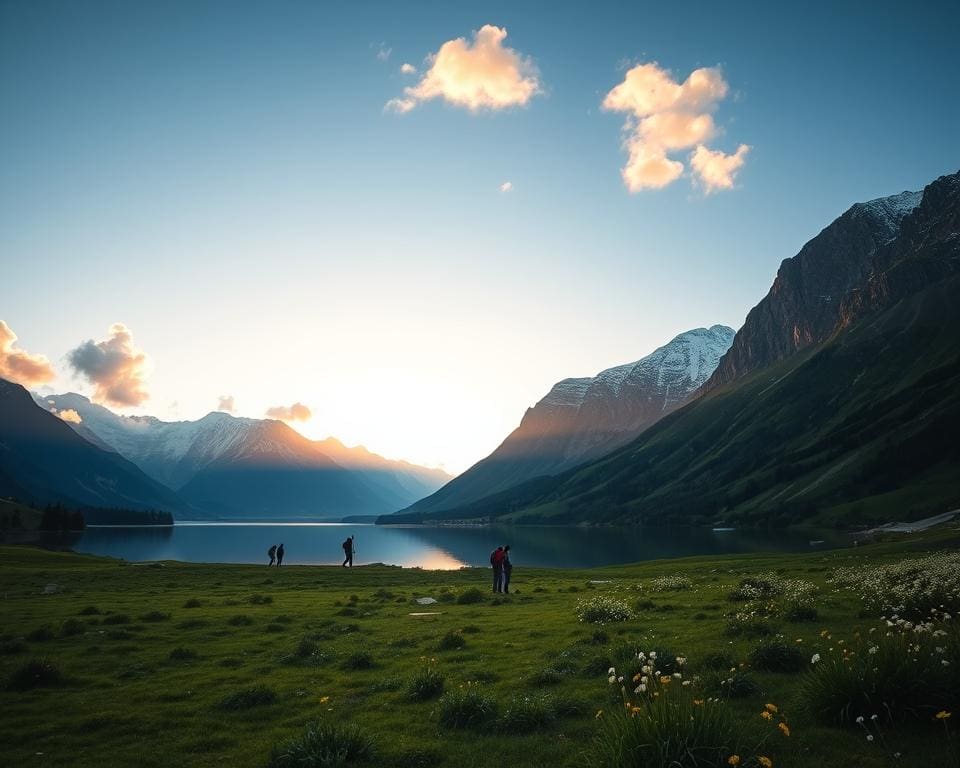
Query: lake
[(436, 547)]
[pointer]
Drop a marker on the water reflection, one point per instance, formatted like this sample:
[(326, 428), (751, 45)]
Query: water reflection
[(436, 548)]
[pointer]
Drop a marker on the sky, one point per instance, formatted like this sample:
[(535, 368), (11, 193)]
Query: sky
[(259, 207)]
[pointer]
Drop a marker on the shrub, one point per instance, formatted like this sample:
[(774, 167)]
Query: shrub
[(359, 660), (669, 584), (324, 745), (466, 708), (471, 596), (546, 676), (602, 609), (758, 587), (36, 673), (260, 599), (155, 616), (193, 624), (748, 625), (306, 648), (182, 654), (240, 620), (274, 627), (41, 634), (525, 714), (414, 757), (426, 684), (777, 657), (721, 660), (911, 588), (734, 685), (910, 672), (12, 647), (193, 603), (90, 610), (257, 696), (117, 618), (452, 641), (72, 627), (799, 613)]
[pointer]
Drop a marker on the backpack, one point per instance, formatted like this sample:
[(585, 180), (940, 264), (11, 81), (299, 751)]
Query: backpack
[(346, 545)]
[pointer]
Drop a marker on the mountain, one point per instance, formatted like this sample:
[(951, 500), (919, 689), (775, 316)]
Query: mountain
[(43, 460), (240, 467), (583, 419), (856, 425)]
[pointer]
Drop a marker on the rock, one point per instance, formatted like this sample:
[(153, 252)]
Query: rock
[(425, 601), (51, 589)]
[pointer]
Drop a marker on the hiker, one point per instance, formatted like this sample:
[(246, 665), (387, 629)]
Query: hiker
[(496, 560), (348, 552), (272, 552), (279, 555), (507, 570)]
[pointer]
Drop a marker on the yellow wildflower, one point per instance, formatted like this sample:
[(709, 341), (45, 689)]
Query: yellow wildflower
[(665, 680), (733, 760), (943, 714), (771, 708), (766, 715), (785, 728), (599, 714), (324, 699), (698, 702), (634, 711), (636, 677), (766, 762)]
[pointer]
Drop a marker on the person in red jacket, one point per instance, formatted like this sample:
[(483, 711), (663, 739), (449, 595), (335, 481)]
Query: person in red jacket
[(496, 560)]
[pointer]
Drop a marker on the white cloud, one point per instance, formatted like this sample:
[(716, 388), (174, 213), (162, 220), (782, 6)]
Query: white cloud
[(715, 169), (295, 412), (114, 366), (226, 403), (482, 75), (665, 116), (507, 186), (19, 365), (383, 52), (407, 69)]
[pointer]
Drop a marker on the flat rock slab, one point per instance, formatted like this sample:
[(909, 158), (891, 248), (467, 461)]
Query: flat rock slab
[(425, 601), (426, 613)]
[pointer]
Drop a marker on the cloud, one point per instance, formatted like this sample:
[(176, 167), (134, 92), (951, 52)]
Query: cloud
[(407, 69), (19, 365), (481, 75), (507, 186), (665, 116), (295, 412), (226, 403), (715, 169), (383, 52), (114, 366), (68, 414)]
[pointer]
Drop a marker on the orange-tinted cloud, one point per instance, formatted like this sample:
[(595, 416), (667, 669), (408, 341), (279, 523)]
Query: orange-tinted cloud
[(226, 403), (295, 412), (666, 116), (114, 366), (482, 75), (715, 169), (68, 414), (19, 365)]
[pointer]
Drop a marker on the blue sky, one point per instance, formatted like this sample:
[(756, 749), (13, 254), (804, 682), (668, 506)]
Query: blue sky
[(223, 179)]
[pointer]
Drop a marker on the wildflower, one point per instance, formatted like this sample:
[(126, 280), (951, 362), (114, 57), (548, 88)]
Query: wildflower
[(612, 671), (636, 677), (698, 702), (860, 720), (733, 760), (634, 711), (766, 762), (869, 737), (784, 728), (943, 714), (815, 658), (766, 715), (665, 679), (599, 714), (324, 699), (771, 708), (611, 679)]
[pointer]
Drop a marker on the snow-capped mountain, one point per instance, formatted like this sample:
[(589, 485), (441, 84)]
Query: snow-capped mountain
[(583, 418), (232, 466), (804, 303)]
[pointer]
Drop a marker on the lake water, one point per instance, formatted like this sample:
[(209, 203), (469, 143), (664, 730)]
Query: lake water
[(440, 548)]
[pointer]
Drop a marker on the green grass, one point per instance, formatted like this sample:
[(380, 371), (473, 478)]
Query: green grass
[(210, 683)]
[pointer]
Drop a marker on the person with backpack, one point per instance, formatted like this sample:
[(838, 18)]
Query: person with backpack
[(348, 552), (272, 554), (496, 560), (279, 555)]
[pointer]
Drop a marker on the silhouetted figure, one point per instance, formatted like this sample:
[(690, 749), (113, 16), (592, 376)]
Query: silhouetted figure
[(348, 552), (496, 560), (507, 570), (279, 555), (272, 554)]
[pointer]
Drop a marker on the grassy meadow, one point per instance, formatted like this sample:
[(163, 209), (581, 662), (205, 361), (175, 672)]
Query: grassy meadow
[(176, 664)]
